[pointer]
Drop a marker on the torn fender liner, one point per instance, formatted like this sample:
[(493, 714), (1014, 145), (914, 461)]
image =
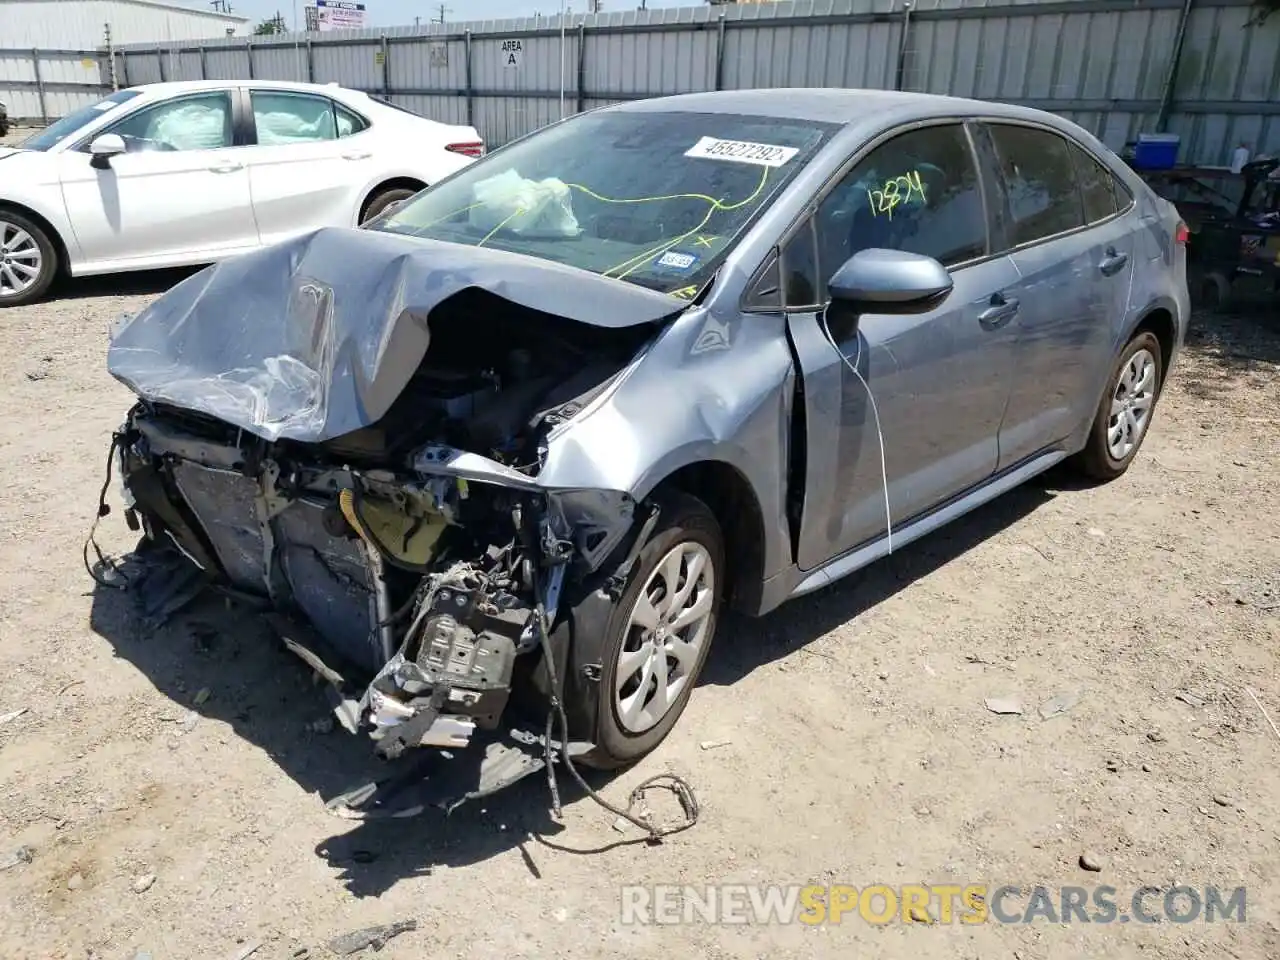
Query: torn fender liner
[(315, 338)]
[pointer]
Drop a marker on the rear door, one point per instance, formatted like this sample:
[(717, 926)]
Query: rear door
[(309, 164), (1072, 277), (179, 195)]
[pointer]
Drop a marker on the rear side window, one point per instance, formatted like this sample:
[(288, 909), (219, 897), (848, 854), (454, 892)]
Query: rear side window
[(284, 117), (1040, 181), (1097, 186)]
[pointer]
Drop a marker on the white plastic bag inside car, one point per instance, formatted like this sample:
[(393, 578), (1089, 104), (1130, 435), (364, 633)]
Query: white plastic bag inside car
[(190, 126), (527, 208)]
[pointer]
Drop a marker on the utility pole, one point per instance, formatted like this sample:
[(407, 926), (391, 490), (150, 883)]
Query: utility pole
[(443, 10), (111, 59)]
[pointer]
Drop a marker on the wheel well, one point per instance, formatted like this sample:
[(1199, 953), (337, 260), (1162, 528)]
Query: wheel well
[(397, 183), (730, 498), (54, 237), (1160, 323)]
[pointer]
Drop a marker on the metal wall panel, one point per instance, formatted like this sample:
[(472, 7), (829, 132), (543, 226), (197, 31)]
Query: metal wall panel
[(81, 24), (1104, 63)]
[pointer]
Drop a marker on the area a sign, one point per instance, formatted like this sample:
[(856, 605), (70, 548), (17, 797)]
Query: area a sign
[(512, 52)]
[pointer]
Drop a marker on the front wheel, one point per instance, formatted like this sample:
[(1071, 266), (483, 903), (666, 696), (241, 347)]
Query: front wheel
[(379, 202), (28, 260), (657, 636), (1124, 415)]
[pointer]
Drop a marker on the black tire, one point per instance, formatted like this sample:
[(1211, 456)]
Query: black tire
[(48, 259), (379, 202), (683, 519), (1095, 460), (1215, 291)]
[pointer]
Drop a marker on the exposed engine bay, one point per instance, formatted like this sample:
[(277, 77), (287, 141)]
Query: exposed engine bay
[(436, 584)]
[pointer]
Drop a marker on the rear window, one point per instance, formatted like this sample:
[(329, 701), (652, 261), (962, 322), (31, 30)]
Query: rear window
[(1097, 187), (1040, 182), (657, 199)]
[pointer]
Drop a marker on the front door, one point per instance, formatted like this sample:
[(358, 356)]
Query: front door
[(938, 381), (179, 194)]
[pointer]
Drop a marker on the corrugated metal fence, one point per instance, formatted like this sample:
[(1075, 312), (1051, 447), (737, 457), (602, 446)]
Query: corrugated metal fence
[(1103, 63), (50, 83)]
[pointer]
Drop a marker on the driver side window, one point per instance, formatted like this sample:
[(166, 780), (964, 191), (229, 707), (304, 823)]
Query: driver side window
[(918, 192), (200, 122)]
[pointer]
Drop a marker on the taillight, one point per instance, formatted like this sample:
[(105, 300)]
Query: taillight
[(472, 148), (1181, 234)]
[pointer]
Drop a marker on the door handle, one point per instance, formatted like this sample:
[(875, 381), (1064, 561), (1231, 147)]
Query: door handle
[(226, 168), (1114, 262), (357, 155), (1000, 312)]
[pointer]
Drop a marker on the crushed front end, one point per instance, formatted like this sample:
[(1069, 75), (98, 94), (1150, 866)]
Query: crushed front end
[(429, 583), (371, 481)]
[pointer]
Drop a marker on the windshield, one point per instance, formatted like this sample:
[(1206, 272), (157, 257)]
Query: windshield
[(69, 125), (657, 199)]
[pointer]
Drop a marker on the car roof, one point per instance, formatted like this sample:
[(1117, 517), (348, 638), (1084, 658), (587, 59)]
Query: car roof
[(171, 87), (831, 105)]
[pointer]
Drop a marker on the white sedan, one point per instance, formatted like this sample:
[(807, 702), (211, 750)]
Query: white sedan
[(172, 174)]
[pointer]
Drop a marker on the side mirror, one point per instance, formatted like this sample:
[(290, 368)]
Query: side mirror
[(890, 281), (104, 147)]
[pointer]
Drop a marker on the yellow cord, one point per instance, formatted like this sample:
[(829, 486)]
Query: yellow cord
[(634, 263), (521, 211)]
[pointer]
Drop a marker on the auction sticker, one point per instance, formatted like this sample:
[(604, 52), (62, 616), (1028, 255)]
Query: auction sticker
[(678, 260), (742, 151)]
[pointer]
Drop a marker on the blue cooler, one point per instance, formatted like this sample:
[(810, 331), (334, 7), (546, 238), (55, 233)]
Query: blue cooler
[(1156, 151)]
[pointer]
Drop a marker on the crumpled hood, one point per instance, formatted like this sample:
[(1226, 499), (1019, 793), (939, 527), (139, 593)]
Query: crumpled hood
[(316, 337)]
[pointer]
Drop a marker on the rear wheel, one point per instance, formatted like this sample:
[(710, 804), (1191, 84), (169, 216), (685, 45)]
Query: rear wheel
[(383, 199), (1125, 413), (657, 636), (28, 260)]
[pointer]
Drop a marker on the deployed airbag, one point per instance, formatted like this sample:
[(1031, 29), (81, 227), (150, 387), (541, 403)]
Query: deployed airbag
[(316, 337)]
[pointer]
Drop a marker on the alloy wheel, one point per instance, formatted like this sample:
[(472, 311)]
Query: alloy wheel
[(1131, 404), (665, 635), (20, 260)]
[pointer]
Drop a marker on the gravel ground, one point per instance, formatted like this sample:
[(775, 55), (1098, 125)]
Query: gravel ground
[(856, 747)]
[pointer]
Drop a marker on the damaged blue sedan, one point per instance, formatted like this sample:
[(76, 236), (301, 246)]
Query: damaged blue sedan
[(506, 452)]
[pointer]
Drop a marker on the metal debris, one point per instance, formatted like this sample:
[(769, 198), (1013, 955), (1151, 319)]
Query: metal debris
[(1004, 705), (1060, 704), (376, 937), (243, 953), (23, 854)]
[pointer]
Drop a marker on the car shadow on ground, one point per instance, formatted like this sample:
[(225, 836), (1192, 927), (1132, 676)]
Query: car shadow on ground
[(139, 284), (267, 697)]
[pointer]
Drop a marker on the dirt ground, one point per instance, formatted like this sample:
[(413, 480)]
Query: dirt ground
[(857, 746)]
